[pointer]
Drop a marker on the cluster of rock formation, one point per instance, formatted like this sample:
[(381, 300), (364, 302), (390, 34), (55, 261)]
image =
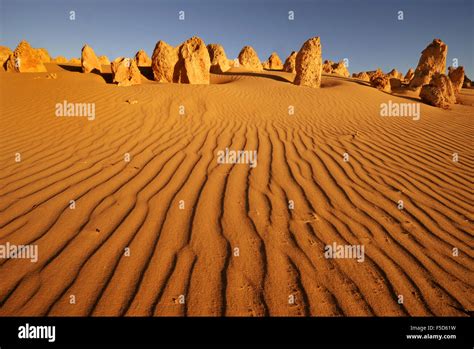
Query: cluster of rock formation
[(429, 79), (394, 77), (193, 61), (362, 76), (125, 72), (26, 59), (439, 92), (395, 74), (380, 81), (188, 63), (60, 60), (435, 87), (338, 68), (74, 61)]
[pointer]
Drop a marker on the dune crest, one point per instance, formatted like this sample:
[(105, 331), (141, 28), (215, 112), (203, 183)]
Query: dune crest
[(60, 60)]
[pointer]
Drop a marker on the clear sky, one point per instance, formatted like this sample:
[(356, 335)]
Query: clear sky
[(367, 32)]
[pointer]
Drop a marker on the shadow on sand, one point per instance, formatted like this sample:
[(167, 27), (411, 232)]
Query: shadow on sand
[(77, 69), (258, 75), (147, 72)]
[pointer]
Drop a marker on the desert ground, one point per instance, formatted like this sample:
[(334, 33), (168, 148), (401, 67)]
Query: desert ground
[(205, 238)]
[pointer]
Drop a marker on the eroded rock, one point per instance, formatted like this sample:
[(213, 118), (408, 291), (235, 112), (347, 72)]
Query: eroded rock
[(25, 59), (248, 59), (219, 61), (456, 75), (89, 61), (309, 64), (125, 72), (432, 61), (290, 63), (439, 92)]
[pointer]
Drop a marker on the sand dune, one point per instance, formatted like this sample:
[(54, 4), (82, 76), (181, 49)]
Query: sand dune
[(191, 251)]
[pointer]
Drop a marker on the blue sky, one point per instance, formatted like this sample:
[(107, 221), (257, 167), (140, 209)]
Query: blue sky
[(367, 32)]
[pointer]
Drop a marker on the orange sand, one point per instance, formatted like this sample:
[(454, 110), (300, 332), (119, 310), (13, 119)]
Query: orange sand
[(190, 251)]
